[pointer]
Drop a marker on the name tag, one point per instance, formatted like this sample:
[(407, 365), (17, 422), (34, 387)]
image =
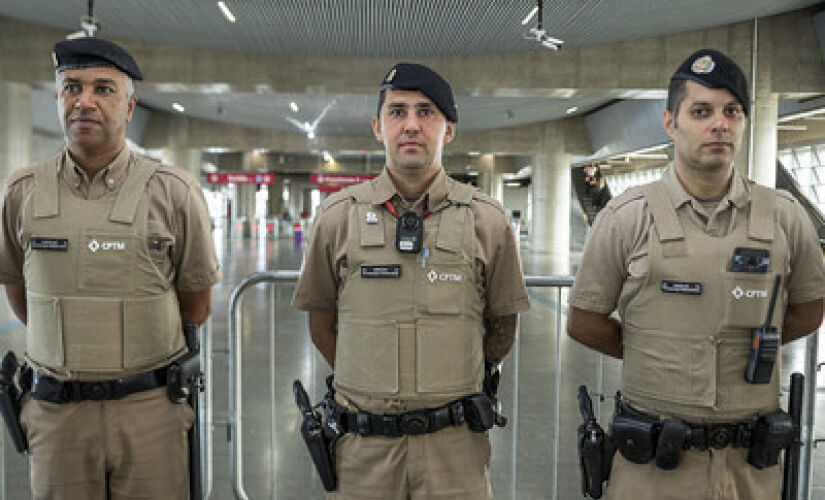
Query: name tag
[(688, 288), (53, 244), (385, 271)]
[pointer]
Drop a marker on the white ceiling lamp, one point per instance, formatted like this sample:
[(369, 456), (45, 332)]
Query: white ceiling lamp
[(572, 109), (226, 12), (178, 107), (293, 106), (539, 34), (309, 128)]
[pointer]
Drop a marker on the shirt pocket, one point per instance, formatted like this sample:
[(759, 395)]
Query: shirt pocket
[(107, 259), (747, 297)]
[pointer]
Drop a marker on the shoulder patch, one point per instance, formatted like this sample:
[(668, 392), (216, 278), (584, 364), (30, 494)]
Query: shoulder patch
[(179, 173)]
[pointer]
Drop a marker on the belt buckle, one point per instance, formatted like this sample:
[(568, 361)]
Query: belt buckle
[(719, 437), (414, 423), (96, 391)]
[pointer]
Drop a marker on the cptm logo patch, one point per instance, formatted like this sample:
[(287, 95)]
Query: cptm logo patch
[(738, 293), (95, 245), (433, 276)]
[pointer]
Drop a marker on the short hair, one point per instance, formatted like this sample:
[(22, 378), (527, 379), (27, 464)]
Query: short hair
[(676, 92), (128, 82)]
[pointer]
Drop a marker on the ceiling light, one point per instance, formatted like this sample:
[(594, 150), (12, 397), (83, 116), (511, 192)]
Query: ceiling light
[(311, 135), (512, 184), (572, 109), (226, 12), (178, 107), (327, 156), (473, 153), (293, 107), (530, 15), (791, 127)]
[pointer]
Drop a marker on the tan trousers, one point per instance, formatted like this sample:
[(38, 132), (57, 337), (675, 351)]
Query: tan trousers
[(702, 475), (453, 463), (131, 448)]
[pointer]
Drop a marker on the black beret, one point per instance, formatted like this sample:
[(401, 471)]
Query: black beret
[(88, 52), (410, 76), (715, 70)]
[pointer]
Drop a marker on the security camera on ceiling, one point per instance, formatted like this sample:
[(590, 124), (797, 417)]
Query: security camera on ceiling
[(88, 24), (538, 33)]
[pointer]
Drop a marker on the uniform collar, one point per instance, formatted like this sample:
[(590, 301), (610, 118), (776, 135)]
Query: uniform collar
[(384, 189), (738, 194), (112, 175)]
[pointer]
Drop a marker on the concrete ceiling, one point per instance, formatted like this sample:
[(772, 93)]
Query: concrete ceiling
[(390, 28)]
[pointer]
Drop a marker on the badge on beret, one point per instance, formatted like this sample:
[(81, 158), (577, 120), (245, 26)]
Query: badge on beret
[(703, 65), (390, 76)]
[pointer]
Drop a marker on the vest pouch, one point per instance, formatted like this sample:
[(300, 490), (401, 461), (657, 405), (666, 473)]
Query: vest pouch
[(735, 394), (449, 356), (443, 288), (670, 366), (152, 330), (92, 333), (366, 356), (635, 439), (44, 339), (106, 261), (747, 299)]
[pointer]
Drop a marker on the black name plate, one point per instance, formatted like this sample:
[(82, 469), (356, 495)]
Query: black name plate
[(385, 271), (52, 244), (688, 288)]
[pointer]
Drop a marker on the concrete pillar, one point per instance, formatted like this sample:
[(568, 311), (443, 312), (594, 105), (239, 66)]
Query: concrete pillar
[(764, 117), (186, 158), (16, 133), (486, 173), (550, 186), (275, 202), (497, 188)]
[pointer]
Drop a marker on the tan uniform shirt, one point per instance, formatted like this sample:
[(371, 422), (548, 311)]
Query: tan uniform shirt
[(615, 260), (498, 265), (178, 221)]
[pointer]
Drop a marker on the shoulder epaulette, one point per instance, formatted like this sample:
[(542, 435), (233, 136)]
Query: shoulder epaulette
[(630, 194), (336, 198), (488, 200), (19, 174)]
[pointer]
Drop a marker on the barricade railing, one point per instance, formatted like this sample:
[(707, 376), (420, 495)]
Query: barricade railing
[(235, 352)]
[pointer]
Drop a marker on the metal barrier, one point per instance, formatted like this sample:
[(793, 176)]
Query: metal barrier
[(235, 346)]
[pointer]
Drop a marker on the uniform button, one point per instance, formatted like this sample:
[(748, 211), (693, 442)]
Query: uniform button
[(110, 182)]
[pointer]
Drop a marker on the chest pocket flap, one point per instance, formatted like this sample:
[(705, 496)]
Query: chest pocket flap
[(372, 233)]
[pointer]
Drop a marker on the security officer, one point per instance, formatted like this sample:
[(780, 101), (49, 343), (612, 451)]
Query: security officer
[(103, 255), (690, 262), (412, 281)]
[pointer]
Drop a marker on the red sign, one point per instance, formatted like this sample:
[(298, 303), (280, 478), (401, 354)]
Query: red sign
[(239, 178), (329, 183)]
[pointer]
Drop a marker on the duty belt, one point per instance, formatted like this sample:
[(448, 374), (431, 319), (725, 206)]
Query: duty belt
[(49, 389), (411, 423)]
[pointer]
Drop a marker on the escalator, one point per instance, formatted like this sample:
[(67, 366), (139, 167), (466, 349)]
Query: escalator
[(585, 193), (784, 180)]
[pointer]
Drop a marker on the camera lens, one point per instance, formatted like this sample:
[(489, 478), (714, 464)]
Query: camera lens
[(410, 222)]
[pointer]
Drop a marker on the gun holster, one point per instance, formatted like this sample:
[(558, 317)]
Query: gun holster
[(11, 397), (320, 432), (596, 450)]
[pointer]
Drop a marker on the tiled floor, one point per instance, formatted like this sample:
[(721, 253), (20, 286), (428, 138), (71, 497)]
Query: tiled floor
[(534, 456)]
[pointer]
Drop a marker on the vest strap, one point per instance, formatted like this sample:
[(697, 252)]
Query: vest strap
[(46, 189), (665, 221), (760, 220), (132, 190)]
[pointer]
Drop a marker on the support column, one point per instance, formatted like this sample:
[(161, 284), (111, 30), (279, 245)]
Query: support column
[(189, 159), (765, 113), (275, 202), (16, 133), (550, 187), (486, 173)]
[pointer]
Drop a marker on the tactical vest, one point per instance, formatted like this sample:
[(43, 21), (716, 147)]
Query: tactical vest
[(417, 335), (96, 301), (686, 334)]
